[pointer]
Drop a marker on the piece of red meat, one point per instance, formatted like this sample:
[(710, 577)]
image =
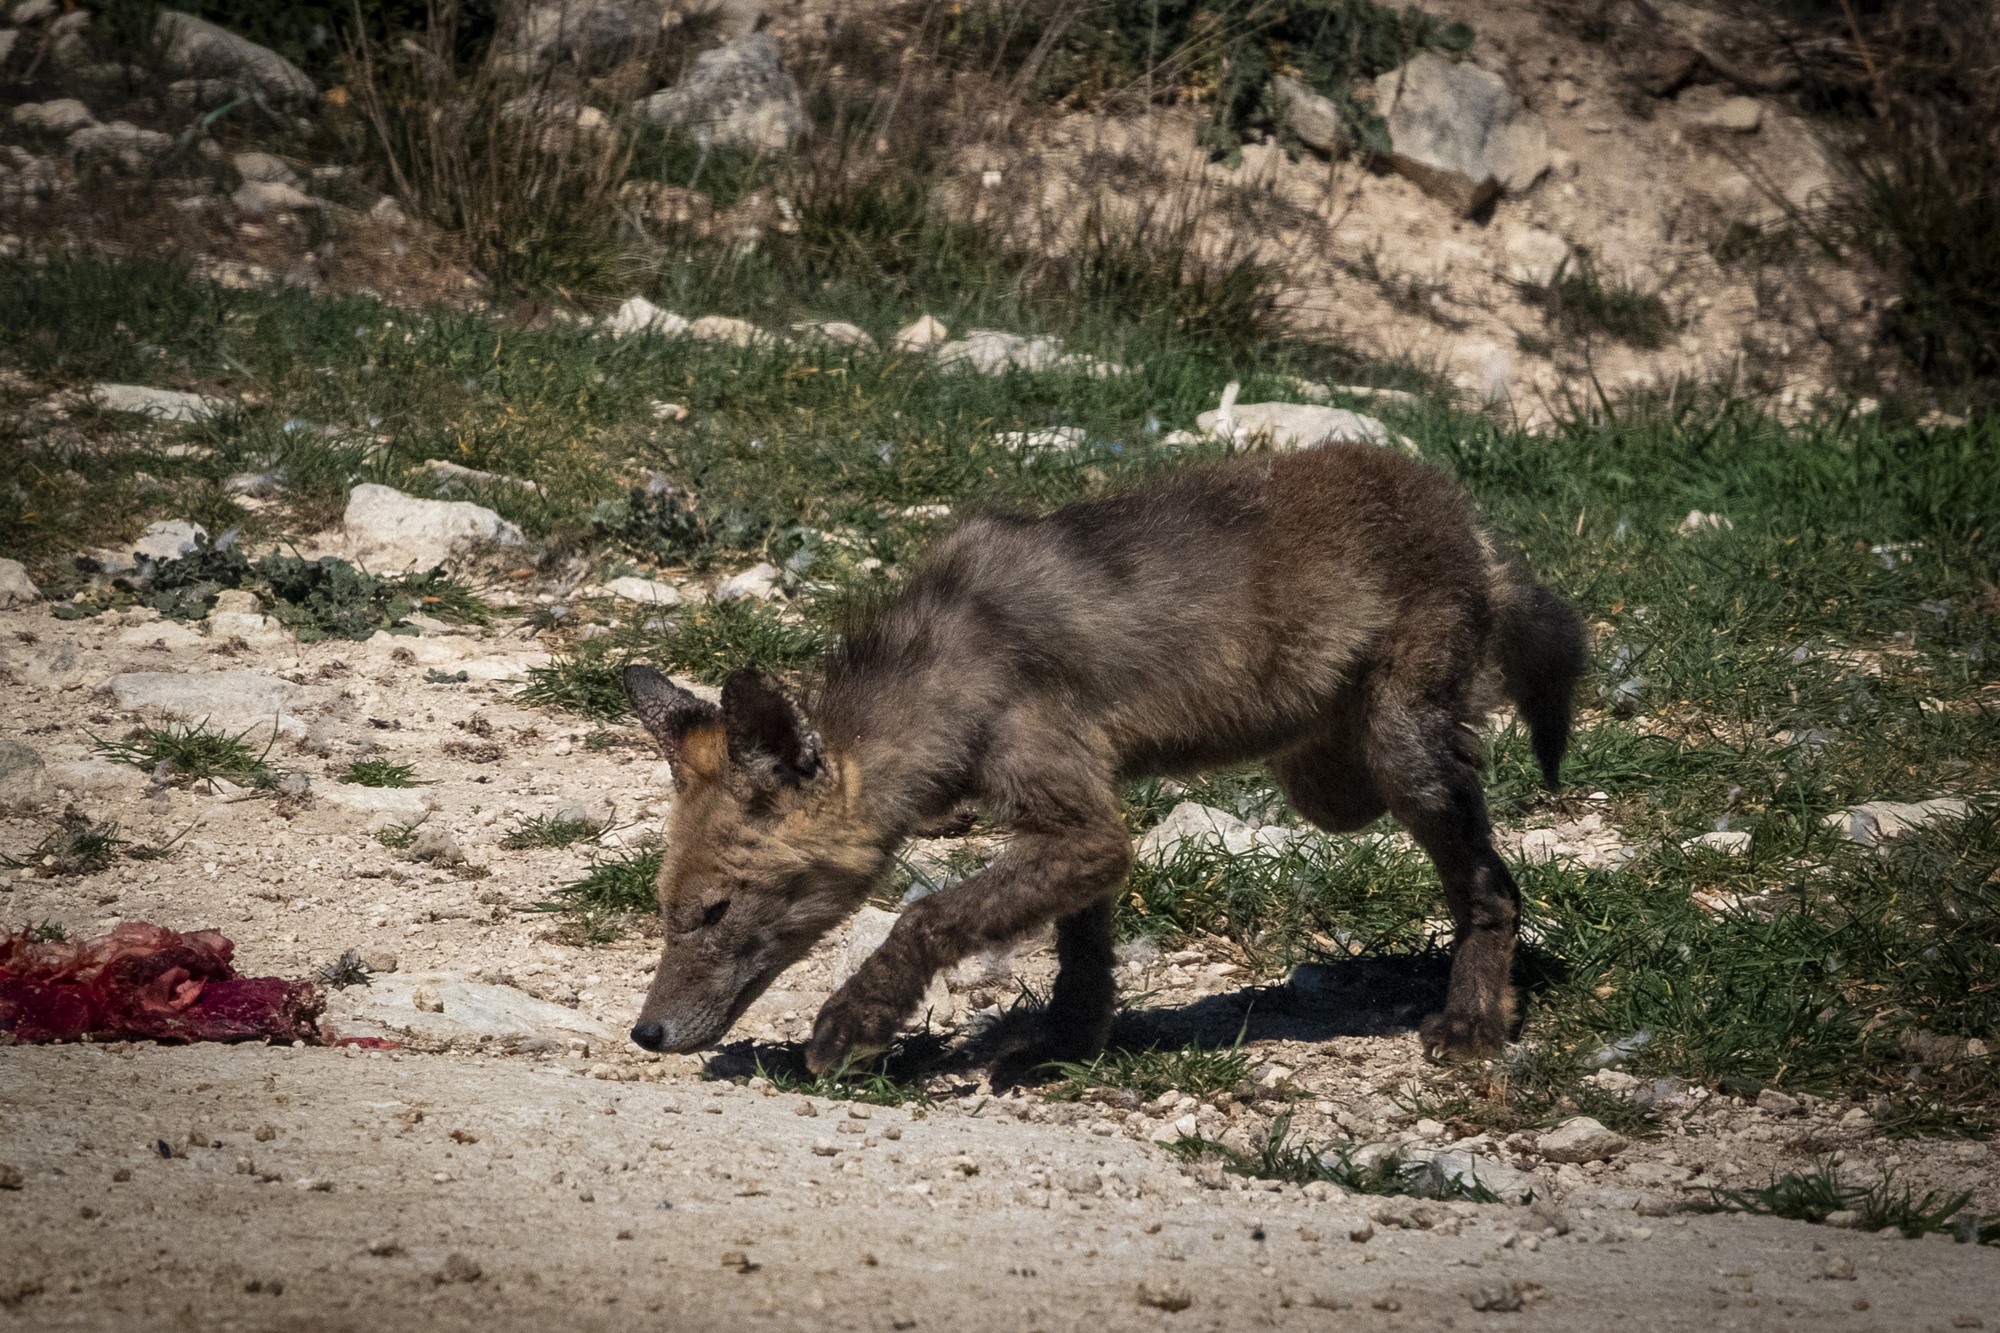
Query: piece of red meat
[(145, 982)]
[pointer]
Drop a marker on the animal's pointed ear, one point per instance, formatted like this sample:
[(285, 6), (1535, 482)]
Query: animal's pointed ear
[(687, 728), (769, 743)]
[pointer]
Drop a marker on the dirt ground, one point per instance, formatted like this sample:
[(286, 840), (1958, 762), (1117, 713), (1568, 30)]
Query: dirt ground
[(577, 1182)]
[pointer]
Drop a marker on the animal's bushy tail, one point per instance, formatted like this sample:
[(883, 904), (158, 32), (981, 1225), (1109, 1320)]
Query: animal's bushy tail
[(1542, 656)]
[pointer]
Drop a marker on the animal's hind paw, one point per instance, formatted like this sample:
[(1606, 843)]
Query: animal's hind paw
[(1450, 1037)]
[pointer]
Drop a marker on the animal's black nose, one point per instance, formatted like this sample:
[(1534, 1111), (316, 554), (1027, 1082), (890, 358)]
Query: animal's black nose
[(650, 1035)]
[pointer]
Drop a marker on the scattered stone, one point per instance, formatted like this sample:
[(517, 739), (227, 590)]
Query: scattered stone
[(994, 352), (1192, 822), (24, 778), (161, 404), (64, 115), (236, 697), (379, 962), (383, 805), (260, 197), (1839, 1267), (1726, 842), (1874, 822), (1313, 119), (197, 48), (836, 331), (1165, 1294), (638, 315), (634, 589), (16, 588), (1772, 1102), (669, 412), (1580, 1139), (865, 932), (391, 530), (470, 1014), (1460, 132), (1732, 115), (11, 1177), (925, 331), (593, 35), (1698, 522), (459, 1268), (1289, 426), (1535, 256), (760, 581), (1496, 1298), (97, 777), (437, 846), (451, 473), (265, 167), (737, 95), (729, 331), (119, 142), (169, 539), (1442, 1174), (1846, 1219)]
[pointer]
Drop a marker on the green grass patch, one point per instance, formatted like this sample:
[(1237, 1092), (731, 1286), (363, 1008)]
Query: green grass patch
[(1816, 1195), (197, 752), (1299, 1163), (588, 682), (869, 1084), (614, 884), (400, 837), (379, 773), (550, 831), (1197, 1071), (80, 845)]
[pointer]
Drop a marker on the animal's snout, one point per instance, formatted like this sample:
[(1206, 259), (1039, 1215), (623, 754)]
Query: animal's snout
[(652, 1036)]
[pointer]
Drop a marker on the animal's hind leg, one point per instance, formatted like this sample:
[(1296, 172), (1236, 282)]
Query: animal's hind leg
[(1327, 780), (1426, 763)]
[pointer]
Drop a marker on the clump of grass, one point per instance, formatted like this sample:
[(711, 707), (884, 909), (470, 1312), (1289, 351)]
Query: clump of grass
[(49, 932), (1278, 1158), (344, 971), (1815, 1195), (400, 837), (192, 753), (586, 682), (550, 831), (1195, 1070), (615, 884), (709, 642), (77, 845), (871, 1084), (379, 773), (1578, 302)]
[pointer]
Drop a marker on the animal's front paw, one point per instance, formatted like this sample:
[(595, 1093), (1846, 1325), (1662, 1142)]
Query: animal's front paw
[(847, 1032), (1451, 1037)]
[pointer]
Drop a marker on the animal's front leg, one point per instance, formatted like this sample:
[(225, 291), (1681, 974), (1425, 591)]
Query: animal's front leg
[(1041, 876)]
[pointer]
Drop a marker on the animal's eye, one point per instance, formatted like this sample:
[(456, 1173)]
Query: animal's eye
[(715, 912)]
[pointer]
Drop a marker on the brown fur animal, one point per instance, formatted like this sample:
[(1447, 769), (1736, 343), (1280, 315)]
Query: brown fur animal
[(1336, 612)]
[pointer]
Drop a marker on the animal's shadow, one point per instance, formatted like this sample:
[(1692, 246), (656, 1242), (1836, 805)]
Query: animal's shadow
[(1371, 995)]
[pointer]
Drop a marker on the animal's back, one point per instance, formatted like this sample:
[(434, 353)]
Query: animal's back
[(1204, 617)]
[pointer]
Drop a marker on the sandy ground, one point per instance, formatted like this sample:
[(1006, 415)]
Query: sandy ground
[(589, 1184)]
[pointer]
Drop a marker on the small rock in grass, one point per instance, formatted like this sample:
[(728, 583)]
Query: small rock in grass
[(161, 404), (633, 589), (1580, 1139), (759, 581), (920, 333), (1698, 521), (63, 115), (16, 588), (638, 315), (1873, 822), (1727, 842), (392, 531), (669, 412), (1772, 1102)]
